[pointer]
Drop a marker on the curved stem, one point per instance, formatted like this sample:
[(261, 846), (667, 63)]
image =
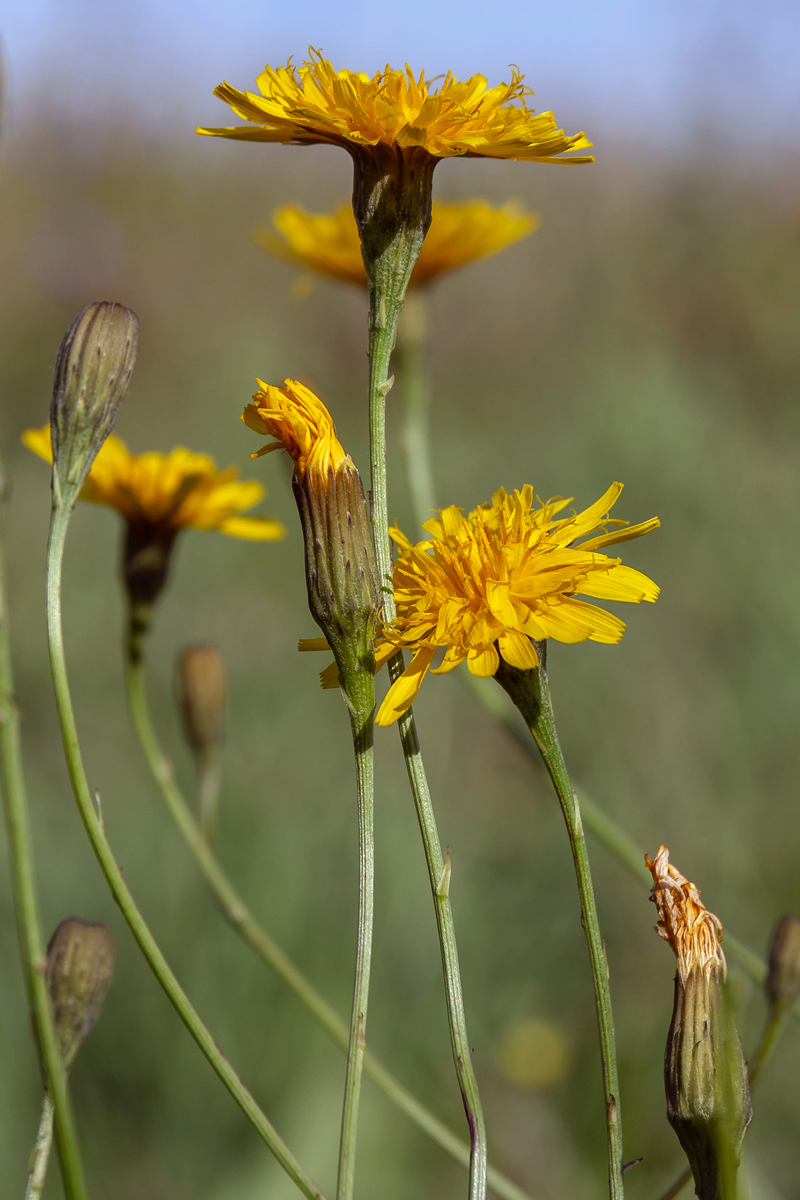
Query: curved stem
[(208, 784), (361, 722), (530, 691), (26, 907), (37, 1173), (94, 828), (385, 304), (241, 918)]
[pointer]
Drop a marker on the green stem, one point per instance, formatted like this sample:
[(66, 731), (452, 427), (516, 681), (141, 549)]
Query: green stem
[(605, 828), (361, 718), (26, 907), (386, 297), (95, 830), (208, 783), (241, 918), (412, 376), (530, 691), (40, 1158)]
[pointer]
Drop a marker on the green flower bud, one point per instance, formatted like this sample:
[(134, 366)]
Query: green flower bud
[(783, 976), (705, 1075), (202, 693), (80, 963), (93, 369)]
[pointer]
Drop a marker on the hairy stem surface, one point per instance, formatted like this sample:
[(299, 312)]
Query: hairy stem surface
[(95, 830)]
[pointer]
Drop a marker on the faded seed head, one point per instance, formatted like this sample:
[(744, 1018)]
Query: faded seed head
[(202, 693), (80, 963)]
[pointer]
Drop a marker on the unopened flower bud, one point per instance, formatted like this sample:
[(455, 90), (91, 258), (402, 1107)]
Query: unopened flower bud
[(202, 693), (93, 369), (708, 1096), (80, 963), (341, 570), (783, 976)]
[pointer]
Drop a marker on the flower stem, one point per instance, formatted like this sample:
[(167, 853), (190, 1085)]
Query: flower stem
[(361, 719), (530, 691), (31, 945), (242, 920), (386, 299), (208, 784), (412, 377), (37, 1173), (93, 824)]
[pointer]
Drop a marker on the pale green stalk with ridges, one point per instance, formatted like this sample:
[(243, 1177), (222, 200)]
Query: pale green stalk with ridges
[(243, 921), (388, 271), (93, 824), (26, 907)]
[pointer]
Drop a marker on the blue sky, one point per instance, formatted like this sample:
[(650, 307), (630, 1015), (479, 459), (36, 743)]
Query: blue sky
[(626, 67)]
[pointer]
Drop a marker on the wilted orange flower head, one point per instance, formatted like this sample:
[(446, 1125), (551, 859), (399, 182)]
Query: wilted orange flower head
[(169, 491), (302, 425), (315, 103), (484, 587), (692, 931), (459, 233)]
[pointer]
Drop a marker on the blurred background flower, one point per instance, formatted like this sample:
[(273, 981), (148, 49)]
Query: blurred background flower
[(647, 332)]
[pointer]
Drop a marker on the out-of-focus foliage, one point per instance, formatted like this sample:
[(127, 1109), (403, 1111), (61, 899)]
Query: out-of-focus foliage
[(649, 334)]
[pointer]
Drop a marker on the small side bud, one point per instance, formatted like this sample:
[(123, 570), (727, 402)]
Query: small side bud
[(783, 976), (80, 963), (705, 1075), (202, 694), (93, 369)]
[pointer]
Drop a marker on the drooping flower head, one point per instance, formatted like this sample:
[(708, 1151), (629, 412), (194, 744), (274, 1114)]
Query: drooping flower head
[(705, 1074), (460, 233), (692, 931), (341, 572), (484, 585), (301, 424), (159, 495), (314, 103)]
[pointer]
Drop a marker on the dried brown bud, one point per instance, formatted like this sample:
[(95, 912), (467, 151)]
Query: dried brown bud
[(783, 976), (202, 694), (93, 369), (80, 963), (708, 1097)]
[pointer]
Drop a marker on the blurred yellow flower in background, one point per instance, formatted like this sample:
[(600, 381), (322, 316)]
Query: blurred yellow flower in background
[(459, 233), (483, 586), (180, 490), (314, 103), (534, 1053)]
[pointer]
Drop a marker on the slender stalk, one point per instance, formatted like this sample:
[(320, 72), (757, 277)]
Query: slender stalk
[(414, 386), (362, 726), (95, 830), (37, 1172), (208, 783), (241, 918), (386, 297), (26, 907), (530, 691)]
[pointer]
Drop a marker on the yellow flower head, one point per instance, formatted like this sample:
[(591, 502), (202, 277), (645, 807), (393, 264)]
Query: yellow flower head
[(168, 491), (302, 425), (314, 103), (692, 931), (484, 585), (459, 233)]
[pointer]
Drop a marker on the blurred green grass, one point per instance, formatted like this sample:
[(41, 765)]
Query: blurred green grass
[(647, 333)]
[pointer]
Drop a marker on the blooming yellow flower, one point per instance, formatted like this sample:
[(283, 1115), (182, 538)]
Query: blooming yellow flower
[(485, 584), (302, 425), (329, 242), (314, 103), (168, 491)]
